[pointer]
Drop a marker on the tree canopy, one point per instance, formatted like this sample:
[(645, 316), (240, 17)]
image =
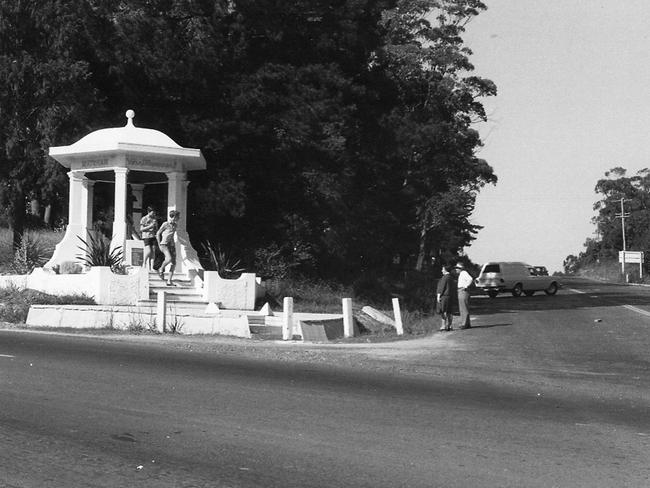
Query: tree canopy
[(635, 193), (339, 134)]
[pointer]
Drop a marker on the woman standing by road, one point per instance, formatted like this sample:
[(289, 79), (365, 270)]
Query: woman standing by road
[(445, 292)]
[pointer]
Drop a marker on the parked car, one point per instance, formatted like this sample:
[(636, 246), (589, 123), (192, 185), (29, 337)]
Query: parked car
[(515, 277)]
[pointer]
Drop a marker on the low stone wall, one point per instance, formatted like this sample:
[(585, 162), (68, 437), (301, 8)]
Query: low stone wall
[(99, 282), (229, 323), (236, 294)]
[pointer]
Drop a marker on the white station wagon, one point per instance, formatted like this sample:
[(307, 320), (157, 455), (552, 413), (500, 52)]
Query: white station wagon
[(515, 277)]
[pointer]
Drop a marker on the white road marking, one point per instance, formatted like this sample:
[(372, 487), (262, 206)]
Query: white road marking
[(6, 356), (577, 291), (637, 310), (629, 307)]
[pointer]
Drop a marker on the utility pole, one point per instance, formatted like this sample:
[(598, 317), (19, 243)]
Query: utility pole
[(623, 216)]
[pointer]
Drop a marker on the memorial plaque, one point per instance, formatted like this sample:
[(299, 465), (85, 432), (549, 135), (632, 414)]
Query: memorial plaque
[(137, 256)]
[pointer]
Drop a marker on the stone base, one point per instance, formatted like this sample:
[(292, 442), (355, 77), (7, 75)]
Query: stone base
[(228, 323)]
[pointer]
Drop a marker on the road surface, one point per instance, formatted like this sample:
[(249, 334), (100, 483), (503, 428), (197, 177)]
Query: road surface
[(542, 392)]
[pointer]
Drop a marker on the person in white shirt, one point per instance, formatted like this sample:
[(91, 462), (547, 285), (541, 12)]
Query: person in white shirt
[(465, 281)]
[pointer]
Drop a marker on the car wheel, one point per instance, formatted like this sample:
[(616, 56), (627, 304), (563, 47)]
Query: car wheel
[(517, 290), (529, 293), (492, 293), (552, 289)]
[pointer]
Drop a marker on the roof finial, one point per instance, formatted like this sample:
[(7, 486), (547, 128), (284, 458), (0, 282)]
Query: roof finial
[(129, 115)]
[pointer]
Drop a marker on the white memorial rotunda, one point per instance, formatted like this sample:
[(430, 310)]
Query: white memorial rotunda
[(131, 158)]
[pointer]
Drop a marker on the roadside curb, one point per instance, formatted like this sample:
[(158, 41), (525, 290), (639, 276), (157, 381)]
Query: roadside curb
[(614, 282)]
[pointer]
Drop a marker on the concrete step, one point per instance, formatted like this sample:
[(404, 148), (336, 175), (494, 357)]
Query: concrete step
[(175, 290), (183, 291), (177, 284), (179, 297), (179, 280), (266, 327), (256, 319), (266, 332), (194, 303)]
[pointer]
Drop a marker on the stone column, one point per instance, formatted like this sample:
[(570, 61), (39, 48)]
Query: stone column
[(119, 219), (79, 219), (88, 194), (177, 196), (188, 261), (77, 198)]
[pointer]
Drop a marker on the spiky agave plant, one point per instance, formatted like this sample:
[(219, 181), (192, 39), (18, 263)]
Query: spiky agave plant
[(98, 252), (31, 253), (219, 260)]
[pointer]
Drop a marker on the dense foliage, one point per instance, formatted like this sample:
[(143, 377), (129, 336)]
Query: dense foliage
[(635, 191), (338, 134)]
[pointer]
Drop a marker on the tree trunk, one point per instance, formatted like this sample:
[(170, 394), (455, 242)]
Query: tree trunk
[(18, 217), (422, 247), (47, 215)]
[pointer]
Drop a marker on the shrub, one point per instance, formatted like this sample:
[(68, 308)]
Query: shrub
[(372, 288), (15, 302), (98, 252), (418, 290), (175, 323), (308, 296), (31, 253), (15, 313), (419, 323), (70, 267), (142, 323), (6, 250), (271, 263)]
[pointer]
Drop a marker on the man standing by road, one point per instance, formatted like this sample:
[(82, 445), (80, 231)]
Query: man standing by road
[(465, 282)]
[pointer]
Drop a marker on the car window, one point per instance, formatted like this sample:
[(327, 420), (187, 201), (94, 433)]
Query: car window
[(492, 268)]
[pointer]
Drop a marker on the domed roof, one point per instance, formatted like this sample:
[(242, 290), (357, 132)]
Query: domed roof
[(129, 146), (103, 139)]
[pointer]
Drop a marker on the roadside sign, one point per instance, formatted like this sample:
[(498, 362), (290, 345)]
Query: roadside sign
[(631, 257)]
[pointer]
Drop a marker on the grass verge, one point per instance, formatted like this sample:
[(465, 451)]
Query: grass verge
[(15, 302)]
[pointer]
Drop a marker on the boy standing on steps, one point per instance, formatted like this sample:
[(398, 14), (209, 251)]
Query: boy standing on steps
[(165, 237)]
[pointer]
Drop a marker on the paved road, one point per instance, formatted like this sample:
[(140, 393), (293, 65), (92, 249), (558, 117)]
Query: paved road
[(544, 391)]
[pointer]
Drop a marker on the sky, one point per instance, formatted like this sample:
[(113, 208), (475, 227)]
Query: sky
[(573, 80)]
